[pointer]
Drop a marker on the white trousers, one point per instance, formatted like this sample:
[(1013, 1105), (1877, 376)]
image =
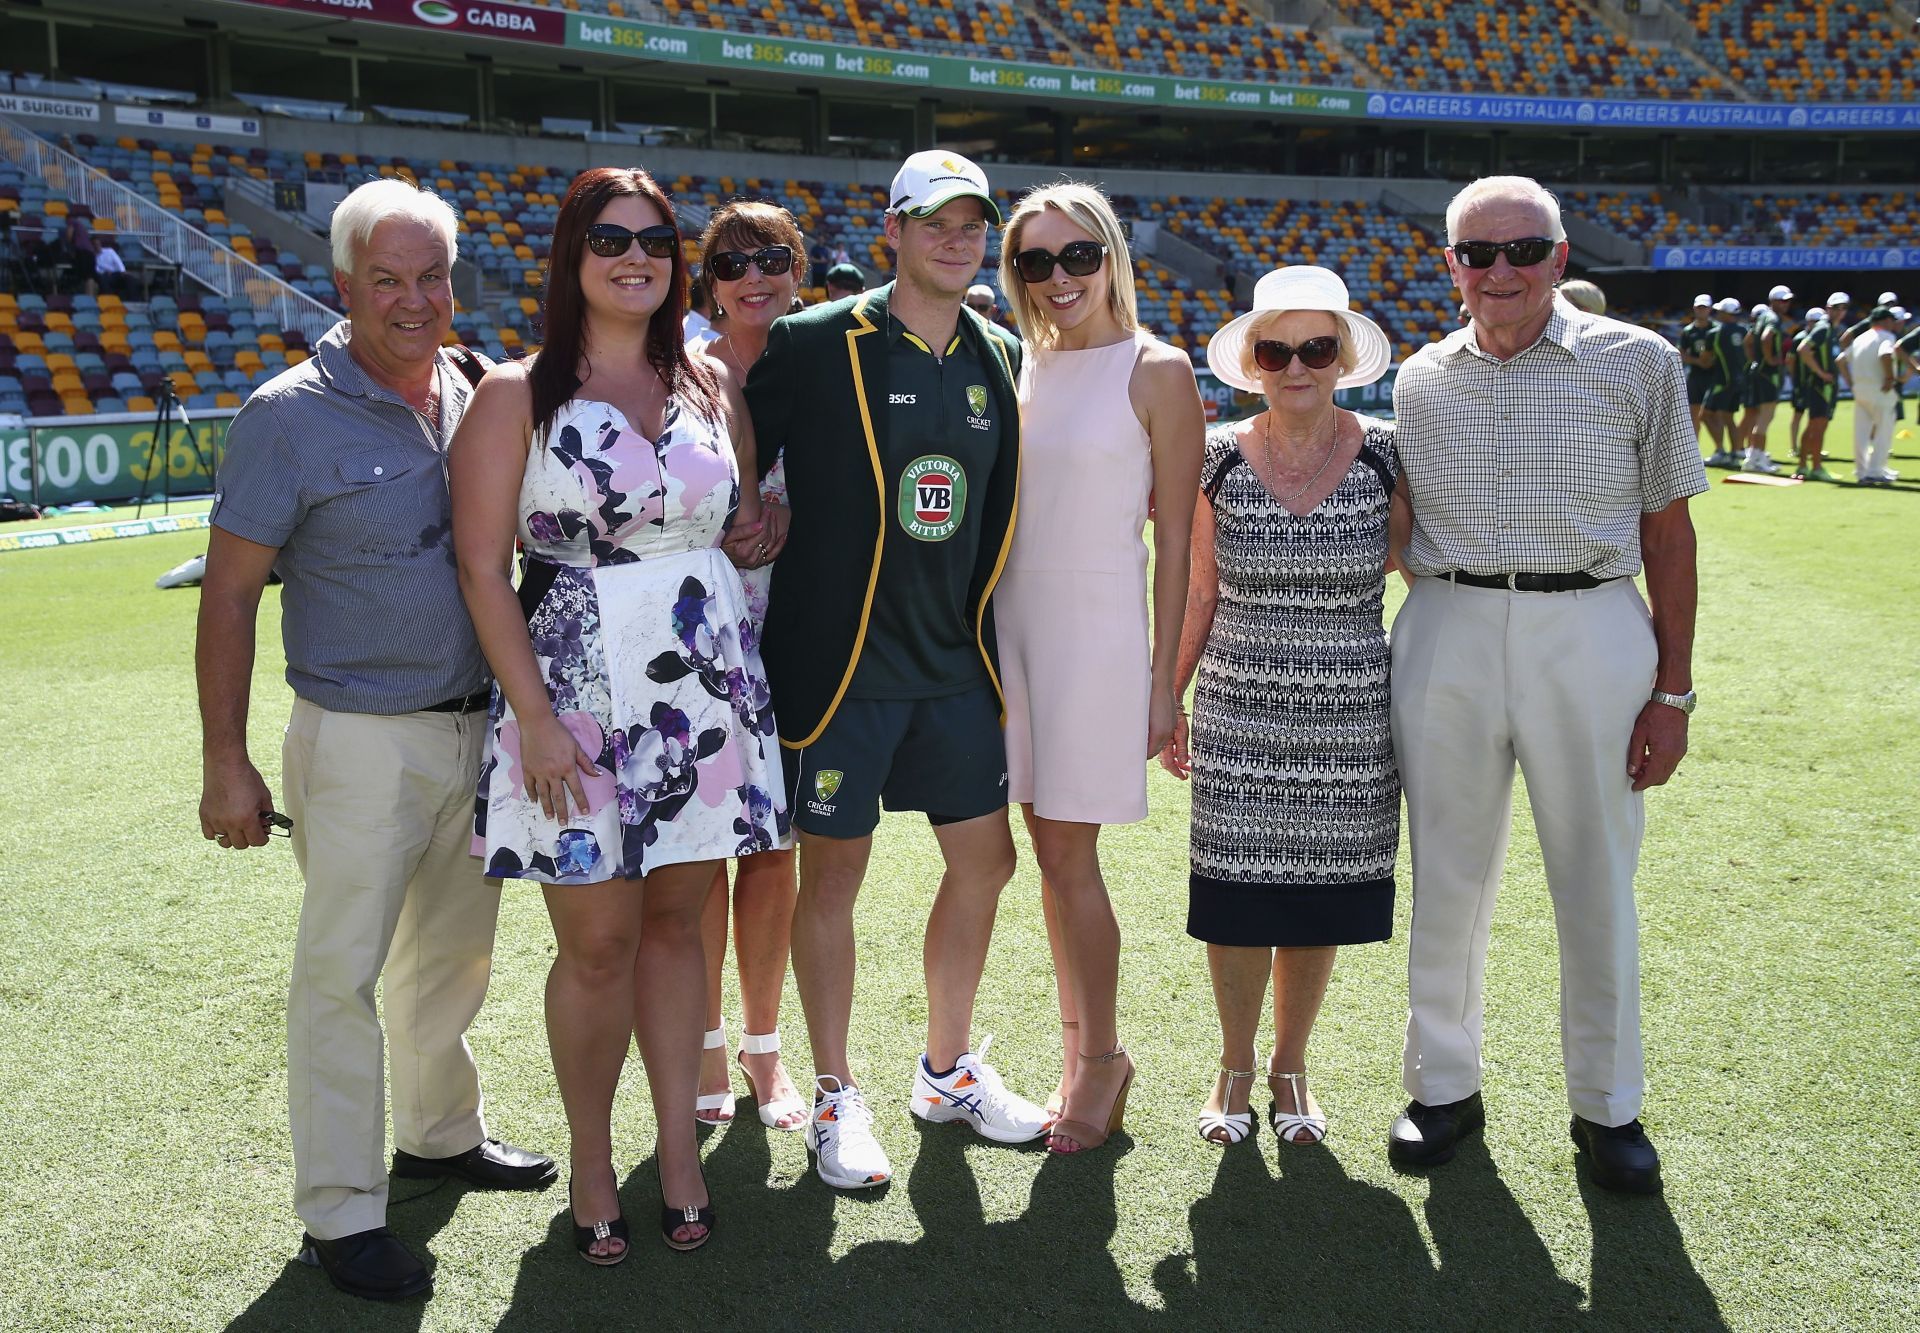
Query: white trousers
[(1873, 425), (382, 811), (1484, 679)]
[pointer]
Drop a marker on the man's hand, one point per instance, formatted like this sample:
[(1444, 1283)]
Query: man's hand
[(1658, 744), (234, 802)]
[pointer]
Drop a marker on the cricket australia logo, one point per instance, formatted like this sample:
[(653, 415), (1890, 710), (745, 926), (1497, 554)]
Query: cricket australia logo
[(933, 496), (977, 407), (825, 783)]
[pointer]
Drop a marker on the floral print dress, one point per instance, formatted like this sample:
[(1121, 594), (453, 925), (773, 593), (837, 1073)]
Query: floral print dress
[(641, 629)]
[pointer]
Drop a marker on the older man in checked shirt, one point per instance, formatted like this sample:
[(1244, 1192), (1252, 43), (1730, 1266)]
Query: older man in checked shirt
[(1550, 456)]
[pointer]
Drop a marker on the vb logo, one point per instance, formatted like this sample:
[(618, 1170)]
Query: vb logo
[(933, 498)]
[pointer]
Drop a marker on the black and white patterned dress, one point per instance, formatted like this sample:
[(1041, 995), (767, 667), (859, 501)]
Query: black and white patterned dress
[(1296, 796)]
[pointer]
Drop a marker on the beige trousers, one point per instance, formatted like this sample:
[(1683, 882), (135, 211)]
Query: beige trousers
[(1484, 679), (382, 811)]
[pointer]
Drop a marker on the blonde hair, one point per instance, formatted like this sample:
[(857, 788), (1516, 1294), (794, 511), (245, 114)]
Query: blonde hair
[(1091, 211), (1584, 295), (1349, 350)]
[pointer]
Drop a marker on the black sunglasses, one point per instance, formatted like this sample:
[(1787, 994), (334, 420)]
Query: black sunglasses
[(1523, 253), (608, 240), (1315, 353), (1078, 258), (731, 265)]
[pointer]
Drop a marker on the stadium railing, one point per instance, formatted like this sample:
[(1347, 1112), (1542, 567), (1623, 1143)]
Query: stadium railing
[(220, 268)]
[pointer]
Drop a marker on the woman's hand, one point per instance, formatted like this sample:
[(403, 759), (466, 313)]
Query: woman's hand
[(1161, 711), (553, 761), (1174, 755), (775, 519), (742, 544)]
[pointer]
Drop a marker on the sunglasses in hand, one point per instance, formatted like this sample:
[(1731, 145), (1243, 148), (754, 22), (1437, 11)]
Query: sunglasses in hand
[(610, 240), (731, 265), (1078, 258), (1315, 353), (1523, 253)]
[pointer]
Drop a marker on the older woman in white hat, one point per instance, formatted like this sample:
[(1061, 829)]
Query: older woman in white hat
[(1296, 800)]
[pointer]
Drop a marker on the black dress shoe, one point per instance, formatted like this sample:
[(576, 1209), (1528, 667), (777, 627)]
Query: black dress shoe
[(373, 1264), (1621, 1157), (1425, 1135), (491, 1166)]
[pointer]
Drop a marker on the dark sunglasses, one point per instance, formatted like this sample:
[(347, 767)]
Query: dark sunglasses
[(1078, 258), (1315, 353), (1523, 253), (731, 265), (608, 240)]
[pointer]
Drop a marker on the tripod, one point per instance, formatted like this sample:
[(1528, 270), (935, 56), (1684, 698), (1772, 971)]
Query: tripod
[(161, 451)]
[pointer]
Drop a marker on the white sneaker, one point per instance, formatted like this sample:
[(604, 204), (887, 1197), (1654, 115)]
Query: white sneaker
[(840, 1135), (974, 1095), (1720, 458), (186, 574), (1760, 464)]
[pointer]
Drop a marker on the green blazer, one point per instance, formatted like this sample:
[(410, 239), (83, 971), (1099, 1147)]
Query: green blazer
[(818, 396)]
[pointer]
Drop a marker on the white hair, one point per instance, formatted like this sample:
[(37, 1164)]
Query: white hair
[(373, 203), (1505, 187)]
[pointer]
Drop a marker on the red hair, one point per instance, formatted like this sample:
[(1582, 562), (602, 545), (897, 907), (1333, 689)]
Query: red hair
[(555, 375)]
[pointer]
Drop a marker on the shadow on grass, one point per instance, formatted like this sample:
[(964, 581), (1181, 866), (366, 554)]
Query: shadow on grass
[(1304, 1238), (301, 1297)]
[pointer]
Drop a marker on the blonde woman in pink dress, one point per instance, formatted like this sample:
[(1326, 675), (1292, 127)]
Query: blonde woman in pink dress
[(1109, 416)]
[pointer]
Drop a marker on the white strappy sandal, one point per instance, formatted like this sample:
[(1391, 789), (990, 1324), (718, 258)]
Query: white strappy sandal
[(1288, 1123), (784, 1108), (715, 1040), (1237, 1124)]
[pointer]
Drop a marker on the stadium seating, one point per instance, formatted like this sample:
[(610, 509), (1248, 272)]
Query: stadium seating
[(1815, 218), (991, 28), (1552, 48), (1213, 39), (1789, 50), (1393, 267)]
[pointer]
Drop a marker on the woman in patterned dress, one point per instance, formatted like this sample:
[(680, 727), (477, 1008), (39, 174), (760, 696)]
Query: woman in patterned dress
[(754, 261), (632, 745), (1296, 801)]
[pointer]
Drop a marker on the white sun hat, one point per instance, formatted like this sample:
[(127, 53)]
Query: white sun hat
[(1300, 287)]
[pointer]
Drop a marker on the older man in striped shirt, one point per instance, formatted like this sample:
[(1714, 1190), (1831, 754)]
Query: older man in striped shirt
[(1550, 455), (335, 476)]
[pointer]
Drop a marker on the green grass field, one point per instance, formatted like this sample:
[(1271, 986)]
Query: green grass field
[(142, 1082)]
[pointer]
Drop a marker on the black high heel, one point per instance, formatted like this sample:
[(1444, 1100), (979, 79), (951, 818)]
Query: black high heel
[(672, 1219), (585, 1238)]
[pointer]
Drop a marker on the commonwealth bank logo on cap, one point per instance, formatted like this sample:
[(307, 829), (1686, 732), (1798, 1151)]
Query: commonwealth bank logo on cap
[(929, 181)]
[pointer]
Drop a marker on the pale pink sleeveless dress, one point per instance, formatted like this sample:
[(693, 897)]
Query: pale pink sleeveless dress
[(1071, 608)]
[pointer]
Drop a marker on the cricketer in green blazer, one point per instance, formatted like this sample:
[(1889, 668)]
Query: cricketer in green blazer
[(818, 395)]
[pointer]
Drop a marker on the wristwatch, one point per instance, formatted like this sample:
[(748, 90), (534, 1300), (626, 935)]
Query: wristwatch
[(1684, 702)]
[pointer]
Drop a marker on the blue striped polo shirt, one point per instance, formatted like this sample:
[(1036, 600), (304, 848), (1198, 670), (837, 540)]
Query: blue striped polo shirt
[(349, 485)]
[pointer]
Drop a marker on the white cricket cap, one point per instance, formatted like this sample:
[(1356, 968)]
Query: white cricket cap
[(1759, 310), (1703, 300), (1781, 293), (929, 181), (1888, 298), (1729, 305), (1839, 298), (1817, 315)]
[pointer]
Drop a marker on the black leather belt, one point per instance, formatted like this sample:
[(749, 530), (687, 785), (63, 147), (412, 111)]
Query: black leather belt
[(466, 703), (1526, 582)]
